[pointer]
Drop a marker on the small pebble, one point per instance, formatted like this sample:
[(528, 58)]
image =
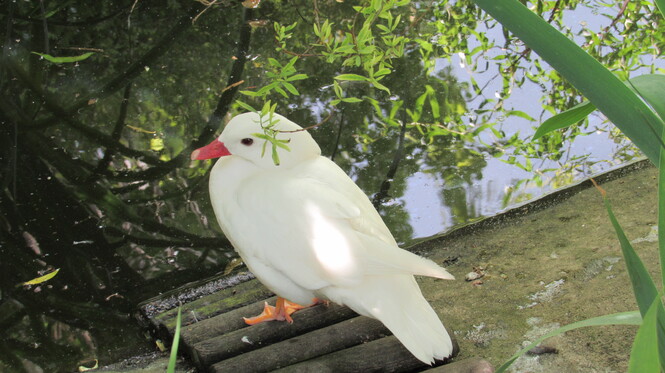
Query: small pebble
[(471, 276)]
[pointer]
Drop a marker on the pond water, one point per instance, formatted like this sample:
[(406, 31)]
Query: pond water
[(96, 176)]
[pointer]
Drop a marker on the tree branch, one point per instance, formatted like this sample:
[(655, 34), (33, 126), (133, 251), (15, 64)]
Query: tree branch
[(215, 120), (50, 103), (115, 135), (206, 242)]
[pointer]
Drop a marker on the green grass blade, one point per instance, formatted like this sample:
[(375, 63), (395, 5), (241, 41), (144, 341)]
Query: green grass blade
[(622, 318), (644, 353), (174, 346), (660, 333), (565, 119), (613, 98), (660, 319), (652, 88), (661, 213), (643, 285)]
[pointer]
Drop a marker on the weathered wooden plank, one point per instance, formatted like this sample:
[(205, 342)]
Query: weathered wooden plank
[(213, 350), (382, 355), (221, 324), (333, 338), (216, 303)]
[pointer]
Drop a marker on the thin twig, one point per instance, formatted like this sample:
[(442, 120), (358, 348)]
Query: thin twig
[(208, 5), (98, 50), (129, 22), (45, 24)]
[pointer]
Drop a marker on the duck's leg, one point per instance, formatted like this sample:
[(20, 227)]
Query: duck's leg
[(281, 312)]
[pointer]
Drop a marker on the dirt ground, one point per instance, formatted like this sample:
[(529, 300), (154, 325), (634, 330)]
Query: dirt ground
[(554, 263)]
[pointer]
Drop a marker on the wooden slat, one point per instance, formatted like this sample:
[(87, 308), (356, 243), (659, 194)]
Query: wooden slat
[(382, 355), (221, 324), (208, 306)]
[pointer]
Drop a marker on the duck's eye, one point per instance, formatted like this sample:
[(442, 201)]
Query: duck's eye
[(247, 141)]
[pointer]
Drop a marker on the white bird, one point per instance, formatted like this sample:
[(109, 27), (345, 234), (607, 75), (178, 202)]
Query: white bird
[(306, 231)]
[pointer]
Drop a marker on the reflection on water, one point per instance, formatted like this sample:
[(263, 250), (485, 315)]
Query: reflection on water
[(96, 177)]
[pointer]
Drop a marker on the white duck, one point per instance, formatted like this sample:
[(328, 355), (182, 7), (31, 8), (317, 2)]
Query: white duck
[(306, 231)]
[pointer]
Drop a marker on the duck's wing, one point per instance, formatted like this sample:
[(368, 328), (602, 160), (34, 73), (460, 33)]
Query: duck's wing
[(319, 229)]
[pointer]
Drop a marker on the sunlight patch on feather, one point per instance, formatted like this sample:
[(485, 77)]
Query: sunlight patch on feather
[(331, 247)]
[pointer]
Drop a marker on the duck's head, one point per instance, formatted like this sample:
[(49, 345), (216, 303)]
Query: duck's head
[(241, 138)]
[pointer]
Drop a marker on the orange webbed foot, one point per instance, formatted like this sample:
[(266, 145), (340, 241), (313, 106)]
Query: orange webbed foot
[(281, 312)]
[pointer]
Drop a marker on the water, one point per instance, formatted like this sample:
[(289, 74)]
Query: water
[(125, 220)]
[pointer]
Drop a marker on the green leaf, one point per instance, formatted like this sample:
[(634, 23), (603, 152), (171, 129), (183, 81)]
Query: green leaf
[(83, 368), (652, 88), (71, 59), (265, 110), (380, 86), (643, 285), (289, 87), (250, 93), (521, 114), (281, 91), (565, 119), (622, 318), (297, 77), (621, 105), (434, 104), (382, 71), (660, 317), (644, 353), (354, 77), (291, 63), (282, 144), (395, 107), (275, 156), (352, 99), (41, 279), (174, 346), (245, 106)]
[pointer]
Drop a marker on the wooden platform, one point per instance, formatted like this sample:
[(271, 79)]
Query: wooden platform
[(322, 338)]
